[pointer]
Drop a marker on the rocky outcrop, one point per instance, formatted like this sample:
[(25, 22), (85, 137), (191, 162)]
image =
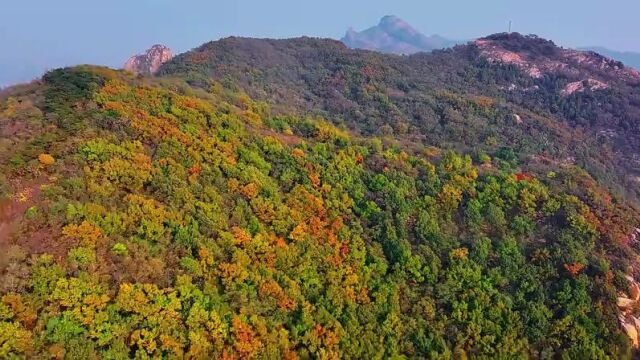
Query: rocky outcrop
[(495, 53), (150, 61), (537, 57), (632, 331), (579, 86), (628, 304), (636, 231), (517, 118), (629, 58)]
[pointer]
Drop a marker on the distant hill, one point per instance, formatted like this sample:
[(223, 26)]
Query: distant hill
[(394, 35), (629, 58)]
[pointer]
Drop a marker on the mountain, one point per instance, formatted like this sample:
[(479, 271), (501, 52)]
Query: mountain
[(150, 61), (294, 198), (373, 92), (629, 58), (393, 35)]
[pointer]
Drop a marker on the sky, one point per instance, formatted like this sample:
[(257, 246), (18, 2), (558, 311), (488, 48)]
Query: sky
[(37, 35)]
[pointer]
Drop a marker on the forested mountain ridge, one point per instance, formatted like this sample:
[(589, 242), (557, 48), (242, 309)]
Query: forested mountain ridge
[(296, 199), (578, 107)]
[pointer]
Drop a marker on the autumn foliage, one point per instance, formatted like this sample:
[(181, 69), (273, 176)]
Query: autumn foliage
[(46, 159), (181, 230)]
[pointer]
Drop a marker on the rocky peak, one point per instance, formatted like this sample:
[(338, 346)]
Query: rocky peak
[(150, 61), (537, 57), (390, 19), (393, 23), (394, 35)]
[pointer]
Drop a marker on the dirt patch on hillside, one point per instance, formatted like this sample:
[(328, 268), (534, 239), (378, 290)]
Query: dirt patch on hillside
[(12, 210), (12, 213), (12, 128), (290, 140)]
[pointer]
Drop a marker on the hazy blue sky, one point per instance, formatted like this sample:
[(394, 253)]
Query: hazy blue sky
[(40, 34)]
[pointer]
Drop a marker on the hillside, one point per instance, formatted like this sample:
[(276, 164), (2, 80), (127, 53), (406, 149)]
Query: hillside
[(629, 58), (468, 98), (297, 199), (394, 35)]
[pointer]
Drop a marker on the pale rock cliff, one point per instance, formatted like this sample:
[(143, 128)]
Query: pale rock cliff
[(150, 61)]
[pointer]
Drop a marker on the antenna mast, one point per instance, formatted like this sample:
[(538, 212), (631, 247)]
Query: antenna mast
[(510, 26)]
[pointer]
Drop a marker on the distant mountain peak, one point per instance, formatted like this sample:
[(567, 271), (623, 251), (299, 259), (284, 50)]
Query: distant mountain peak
[(394, 35), (150, 61), (393, 22), (388, 18)]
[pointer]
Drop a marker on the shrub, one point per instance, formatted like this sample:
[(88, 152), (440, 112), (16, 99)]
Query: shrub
[(46, 159), (120, 249)]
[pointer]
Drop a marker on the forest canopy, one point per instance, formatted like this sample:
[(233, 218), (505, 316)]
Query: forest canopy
[(145, 218)]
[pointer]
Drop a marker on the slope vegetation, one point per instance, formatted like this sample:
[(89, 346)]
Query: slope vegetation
[(541, 102), (161, 220)]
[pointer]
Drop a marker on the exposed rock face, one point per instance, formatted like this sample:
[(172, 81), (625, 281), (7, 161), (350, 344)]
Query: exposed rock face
[(628, 305), (393, 35), (632, 332), (537, 57), (517, 118), (150, 61), (495, 53), (579, 86), (629, 58)]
